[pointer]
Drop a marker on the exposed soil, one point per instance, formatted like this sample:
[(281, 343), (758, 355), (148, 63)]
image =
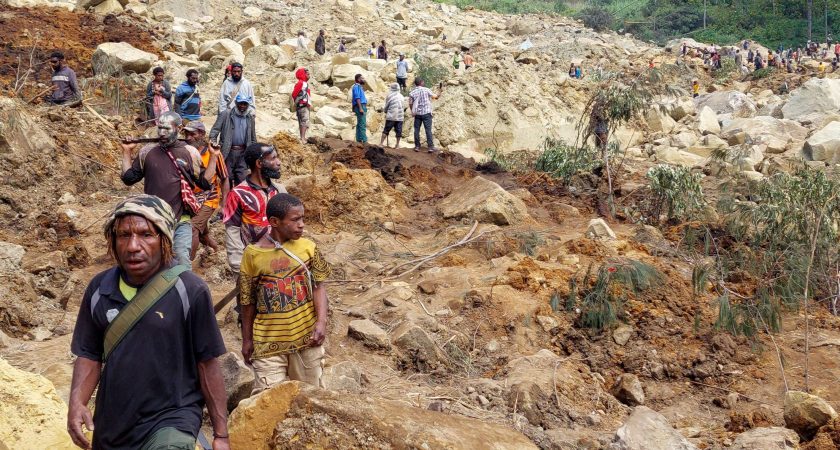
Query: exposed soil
[(32, 34)]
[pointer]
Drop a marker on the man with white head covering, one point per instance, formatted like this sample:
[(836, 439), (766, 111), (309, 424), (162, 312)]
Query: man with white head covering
[(394, 114)]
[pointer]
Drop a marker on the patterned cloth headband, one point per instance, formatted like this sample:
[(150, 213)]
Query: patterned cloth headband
[(153, 208)]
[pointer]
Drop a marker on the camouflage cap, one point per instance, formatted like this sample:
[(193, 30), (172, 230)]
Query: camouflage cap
[(153, 208)]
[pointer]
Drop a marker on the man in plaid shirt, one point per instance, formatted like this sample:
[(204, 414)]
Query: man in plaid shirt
[(420, 103)]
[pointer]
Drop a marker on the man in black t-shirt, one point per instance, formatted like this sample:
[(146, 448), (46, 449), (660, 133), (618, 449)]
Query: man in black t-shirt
[(160, 375), (163, 173)]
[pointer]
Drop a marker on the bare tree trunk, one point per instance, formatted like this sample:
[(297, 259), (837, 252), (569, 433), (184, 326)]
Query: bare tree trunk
[(704, 14), (810, 14)]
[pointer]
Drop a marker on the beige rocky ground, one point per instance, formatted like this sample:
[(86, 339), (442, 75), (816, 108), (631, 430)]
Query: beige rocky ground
[(471, 343)]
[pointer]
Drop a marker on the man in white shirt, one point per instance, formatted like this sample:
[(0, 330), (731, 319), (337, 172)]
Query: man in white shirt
[(233, 86)]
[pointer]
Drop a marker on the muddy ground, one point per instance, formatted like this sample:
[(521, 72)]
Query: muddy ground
[(485, 303)]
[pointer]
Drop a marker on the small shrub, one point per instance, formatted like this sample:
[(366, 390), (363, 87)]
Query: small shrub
[(727, 69), (602, 304), (676, 191), (761, 73), (429, 71), (562, 160), (529, 242), (520, 160)]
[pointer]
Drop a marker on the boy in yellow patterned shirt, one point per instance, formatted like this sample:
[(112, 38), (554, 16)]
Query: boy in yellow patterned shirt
[(283, 300)]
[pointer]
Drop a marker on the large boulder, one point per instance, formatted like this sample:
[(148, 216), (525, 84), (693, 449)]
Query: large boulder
[(295, 415), (11, 256), (659, 122), (485, 201), (806, 413), (83, 5), (543, 386), (34, 417), (268, 57), (417, 349), (26, 150), (727, 102), (249, 39), (369, 334), (628, 390), (824, 145), (766, 438), (817, 97), (777, 134), (220, 47), (679, 157), (108, 7), (707, 121), (334, 118), (598, 229), (121, 57), (646, 429), (344, 76), (198, 10)]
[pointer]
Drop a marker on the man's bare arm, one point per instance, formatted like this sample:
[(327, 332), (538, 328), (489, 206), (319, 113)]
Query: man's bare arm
[(213, 388), (321, 313), (85, 378), (248, 314)]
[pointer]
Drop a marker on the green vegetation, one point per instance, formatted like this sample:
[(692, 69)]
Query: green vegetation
[(676, 193), (776, 252), (429, 71), (563, 161), (770, 22), (556, 157), (602, 298)]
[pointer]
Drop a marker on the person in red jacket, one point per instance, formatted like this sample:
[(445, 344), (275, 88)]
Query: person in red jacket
[(301, 95)]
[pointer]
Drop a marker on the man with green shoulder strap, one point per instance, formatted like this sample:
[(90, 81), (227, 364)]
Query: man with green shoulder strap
[(154, 325)]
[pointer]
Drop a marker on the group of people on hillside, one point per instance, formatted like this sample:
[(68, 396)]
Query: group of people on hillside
[(154, 237), (747, 58)]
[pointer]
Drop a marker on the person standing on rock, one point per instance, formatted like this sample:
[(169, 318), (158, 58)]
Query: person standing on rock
[(244, 211), (284, 300), (341, 47), (210, 199), (456, 60), (301, 96), (359, 101), (234, 86), (372, 50), (235, 130), (187, 97), (382, 51), (469, 61), (301, 41), (167, 167), (695, 88), (65, 87), (394, 114), (420, 102), (158, 95), (402, 72), (147, 336), (320, 43)]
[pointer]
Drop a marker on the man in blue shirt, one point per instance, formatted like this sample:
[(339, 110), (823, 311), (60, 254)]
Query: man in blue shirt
[(187, 98), (360, 108), (402, 72)]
